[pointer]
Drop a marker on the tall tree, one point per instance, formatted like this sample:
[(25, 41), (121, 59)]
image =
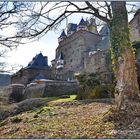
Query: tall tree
[(123, 57), (41, 18)]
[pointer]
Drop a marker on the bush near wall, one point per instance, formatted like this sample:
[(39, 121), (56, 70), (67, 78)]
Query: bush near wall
[(92, 87)]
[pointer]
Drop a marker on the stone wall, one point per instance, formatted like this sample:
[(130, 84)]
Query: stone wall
[(34, 91), (99, 63), (13, 92), (96, 62), (59, 88), (25, 76), (135, 26), (74, 48), (51, 88)]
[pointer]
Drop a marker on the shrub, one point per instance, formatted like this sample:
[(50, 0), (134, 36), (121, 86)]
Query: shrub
[(98, 92), (91, 87)]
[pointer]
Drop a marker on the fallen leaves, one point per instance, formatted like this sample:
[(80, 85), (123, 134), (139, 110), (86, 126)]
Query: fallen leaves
[(71, 120)]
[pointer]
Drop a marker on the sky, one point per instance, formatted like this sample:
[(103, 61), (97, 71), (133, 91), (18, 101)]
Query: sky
[(23, 54)]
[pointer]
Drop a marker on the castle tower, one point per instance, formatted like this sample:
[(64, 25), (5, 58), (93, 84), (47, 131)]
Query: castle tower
[(92, 27), (82, 25), (71, 28), (62, 36)]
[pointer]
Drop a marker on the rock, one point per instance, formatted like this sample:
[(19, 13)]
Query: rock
[(34, 91), (30, 104)]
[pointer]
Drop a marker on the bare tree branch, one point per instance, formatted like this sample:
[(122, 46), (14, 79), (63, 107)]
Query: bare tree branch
[(96, 12)]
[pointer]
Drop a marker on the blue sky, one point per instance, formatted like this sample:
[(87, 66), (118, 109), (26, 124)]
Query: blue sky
[(47, 45)]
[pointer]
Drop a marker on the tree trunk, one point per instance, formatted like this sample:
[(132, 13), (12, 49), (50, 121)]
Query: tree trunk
[(123, 58)]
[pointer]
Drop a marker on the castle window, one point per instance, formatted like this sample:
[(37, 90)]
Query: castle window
[(71, 60)]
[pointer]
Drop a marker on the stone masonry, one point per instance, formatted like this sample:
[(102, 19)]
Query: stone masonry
[(135, 26)]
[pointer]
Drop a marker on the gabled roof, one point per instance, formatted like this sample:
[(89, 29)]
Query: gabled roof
[(104, 31), (63, 34), (82, 22), (137, 12), (73, 27), (39, 76), (39, 61)]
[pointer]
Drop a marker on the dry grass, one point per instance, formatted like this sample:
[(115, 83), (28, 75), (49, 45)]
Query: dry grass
[(68, 120)]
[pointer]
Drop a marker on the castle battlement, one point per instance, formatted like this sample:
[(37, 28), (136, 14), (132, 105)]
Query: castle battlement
[(84, 25)]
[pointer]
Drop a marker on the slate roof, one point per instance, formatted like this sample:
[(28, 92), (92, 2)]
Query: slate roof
[(39, 76), (104, 43), (82, 22), (63, 34), (104, 30), (39, 61), (73, 27)]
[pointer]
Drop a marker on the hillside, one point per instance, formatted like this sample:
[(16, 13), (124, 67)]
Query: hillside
[(59, 120), (65, 118), (5, 79)]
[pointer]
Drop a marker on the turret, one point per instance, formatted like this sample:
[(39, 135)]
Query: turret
[(60, 61), (71, 28), (82, 25), (62, 36), (92, 27)]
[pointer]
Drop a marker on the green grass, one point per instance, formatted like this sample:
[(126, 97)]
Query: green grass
[(48, 99), (72, 98), (51, 100)]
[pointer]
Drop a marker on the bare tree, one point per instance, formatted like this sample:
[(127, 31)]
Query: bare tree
[(9, 13)]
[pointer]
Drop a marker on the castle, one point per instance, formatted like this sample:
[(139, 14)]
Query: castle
[(81, 49), (37, 69)]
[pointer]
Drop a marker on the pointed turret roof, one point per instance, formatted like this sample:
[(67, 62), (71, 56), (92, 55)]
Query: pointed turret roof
[(72, 27), (83, 22), (63, 34), (39, 61)]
